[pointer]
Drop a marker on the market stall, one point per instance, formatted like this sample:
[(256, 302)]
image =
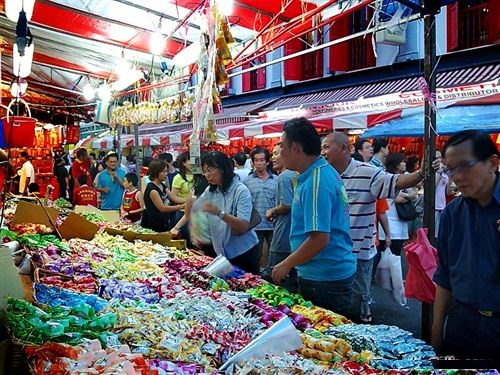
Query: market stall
[(128, 305)]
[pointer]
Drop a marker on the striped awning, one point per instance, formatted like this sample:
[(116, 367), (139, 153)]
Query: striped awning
[(241, 113), (446, 79)]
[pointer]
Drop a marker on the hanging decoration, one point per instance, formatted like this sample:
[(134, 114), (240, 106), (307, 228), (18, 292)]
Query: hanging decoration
[(429, 97), (213, 59), (72, 134)]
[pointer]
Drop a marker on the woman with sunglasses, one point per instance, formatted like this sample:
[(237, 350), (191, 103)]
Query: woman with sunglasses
[(229, 205)]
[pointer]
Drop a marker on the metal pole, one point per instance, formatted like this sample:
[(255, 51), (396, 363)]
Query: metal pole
[(136, 150), (118, 146), (430, 151)]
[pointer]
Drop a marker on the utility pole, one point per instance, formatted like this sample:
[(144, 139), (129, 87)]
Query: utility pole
[(428, 11), (430, 141)]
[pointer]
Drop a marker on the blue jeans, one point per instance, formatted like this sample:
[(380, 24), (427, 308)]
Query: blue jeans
[(468, 334), (331, 295), (360, 308)]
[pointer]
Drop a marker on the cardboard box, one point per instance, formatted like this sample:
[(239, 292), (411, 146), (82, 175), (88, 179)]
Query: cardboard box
[(129, 235), (164, 238), (34, 213), (113, 216), (76, 226), (113, 231)]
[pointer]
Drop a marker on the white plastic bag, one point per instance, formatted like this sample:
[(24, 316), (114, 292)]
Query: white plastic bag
[(398, 290), (281, 337), (220, 266), (383, 272)]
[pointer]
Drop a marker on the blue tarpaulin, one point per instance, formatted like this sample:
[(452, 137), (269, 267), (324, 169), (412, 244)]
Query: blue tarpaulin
[(450, 120)]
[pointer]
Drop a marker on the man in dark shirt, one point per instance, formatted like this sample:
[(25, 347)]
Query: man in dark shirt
[(467, 307), (61, 173)]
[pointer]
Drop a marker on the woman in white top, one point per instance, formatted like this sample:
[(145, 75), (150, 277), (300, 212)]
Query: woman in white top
[(398, 228)]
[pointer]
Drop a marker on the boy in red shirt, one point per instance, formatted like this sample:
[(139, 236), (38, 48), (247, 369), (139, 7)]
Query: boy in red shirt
[(84, 195), (132, 201)]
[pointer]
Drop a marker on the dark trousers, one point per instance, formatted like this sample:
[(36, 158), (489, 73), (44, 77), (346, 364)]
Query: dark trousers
[(470, 334), (332, 295), (248, 261), (290, 282)]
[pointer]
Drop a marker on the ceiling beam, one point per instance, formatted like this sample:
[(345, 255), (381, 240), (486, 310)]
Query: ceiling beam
[(54, 63), (155, 12), (263, 12), (105, 19)]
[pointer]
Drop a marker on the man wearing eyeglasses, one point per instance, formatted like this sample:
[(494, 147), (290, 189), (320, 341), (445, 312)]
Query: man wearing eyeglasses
[(467, 306)]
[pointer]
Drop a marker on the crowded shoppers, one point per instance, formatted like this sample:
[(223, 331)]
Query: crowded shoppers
[(240, 169), (156, 195), (62, 176), (363, 148), (109, 183), (262, 185), (199, 230), (132, 201), (319, 236), (398, 228), (182, 183), (467, 306), (84, 195), (80, 167), (443, 189), (229, 205), (168, 158), (364, 183), (380, 152), (27, 173), (280, 216)]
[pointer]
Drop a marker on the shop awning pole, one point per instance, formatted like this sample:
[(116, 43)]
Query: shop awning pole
[(136, 151), (430, 148), (117, 147)]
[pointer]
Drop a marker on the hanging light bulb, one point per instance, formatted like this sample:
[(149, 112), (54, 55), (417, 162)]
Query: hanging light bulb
[(88, 91), (13, 7), (156, 43), (22, 64), (225, 7), (188, 55), (123, 67), (18, 87), (104, 93)]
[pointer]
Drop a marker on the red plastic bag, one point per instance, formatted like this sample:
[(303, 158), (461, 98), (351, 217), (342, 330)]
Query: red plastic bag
[(422, 263)]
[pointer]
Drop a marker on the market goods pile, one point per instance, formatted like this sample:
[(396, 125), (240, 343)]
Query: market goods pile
[(141, 308)]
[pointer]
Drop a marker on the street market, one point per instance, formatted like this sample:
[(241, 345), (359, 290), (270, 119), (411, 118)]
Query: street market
[(247, 187)]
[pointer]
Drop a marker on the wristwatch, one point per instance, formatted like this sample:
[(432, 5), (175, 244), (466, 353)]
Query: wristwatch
[(221, 214)]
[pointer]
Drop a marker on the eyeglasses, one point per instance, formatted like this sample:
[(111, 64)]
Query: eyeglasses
[(208, 171), (461, 167)]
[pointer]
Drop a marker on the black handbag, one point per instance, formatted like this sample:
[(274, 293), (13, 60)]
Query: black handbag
[(406, 211), (255, 219)]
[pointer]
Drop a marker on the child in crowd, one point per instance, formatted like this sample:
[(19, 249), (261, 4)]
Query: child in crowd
[(132, 201), (84, 195)]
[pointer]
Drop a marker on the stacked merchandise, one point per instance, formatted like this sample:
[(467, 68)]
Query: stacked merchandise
[(114, 306)]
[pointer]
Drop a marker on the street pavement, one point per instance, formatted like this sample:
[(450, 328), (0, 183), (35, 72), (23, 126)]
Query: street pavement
[(385, 309)]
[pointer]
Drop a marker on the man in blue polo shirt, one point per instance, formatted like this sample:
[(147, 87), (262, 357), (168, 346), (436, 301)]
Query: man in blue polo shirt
[(319, 237), (110, 184), (467, 306)]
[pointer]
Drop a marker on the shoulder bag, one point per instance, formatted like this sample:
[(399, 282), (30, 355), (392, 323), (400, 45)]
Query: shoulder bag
[(255, 218), (406, 211)]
